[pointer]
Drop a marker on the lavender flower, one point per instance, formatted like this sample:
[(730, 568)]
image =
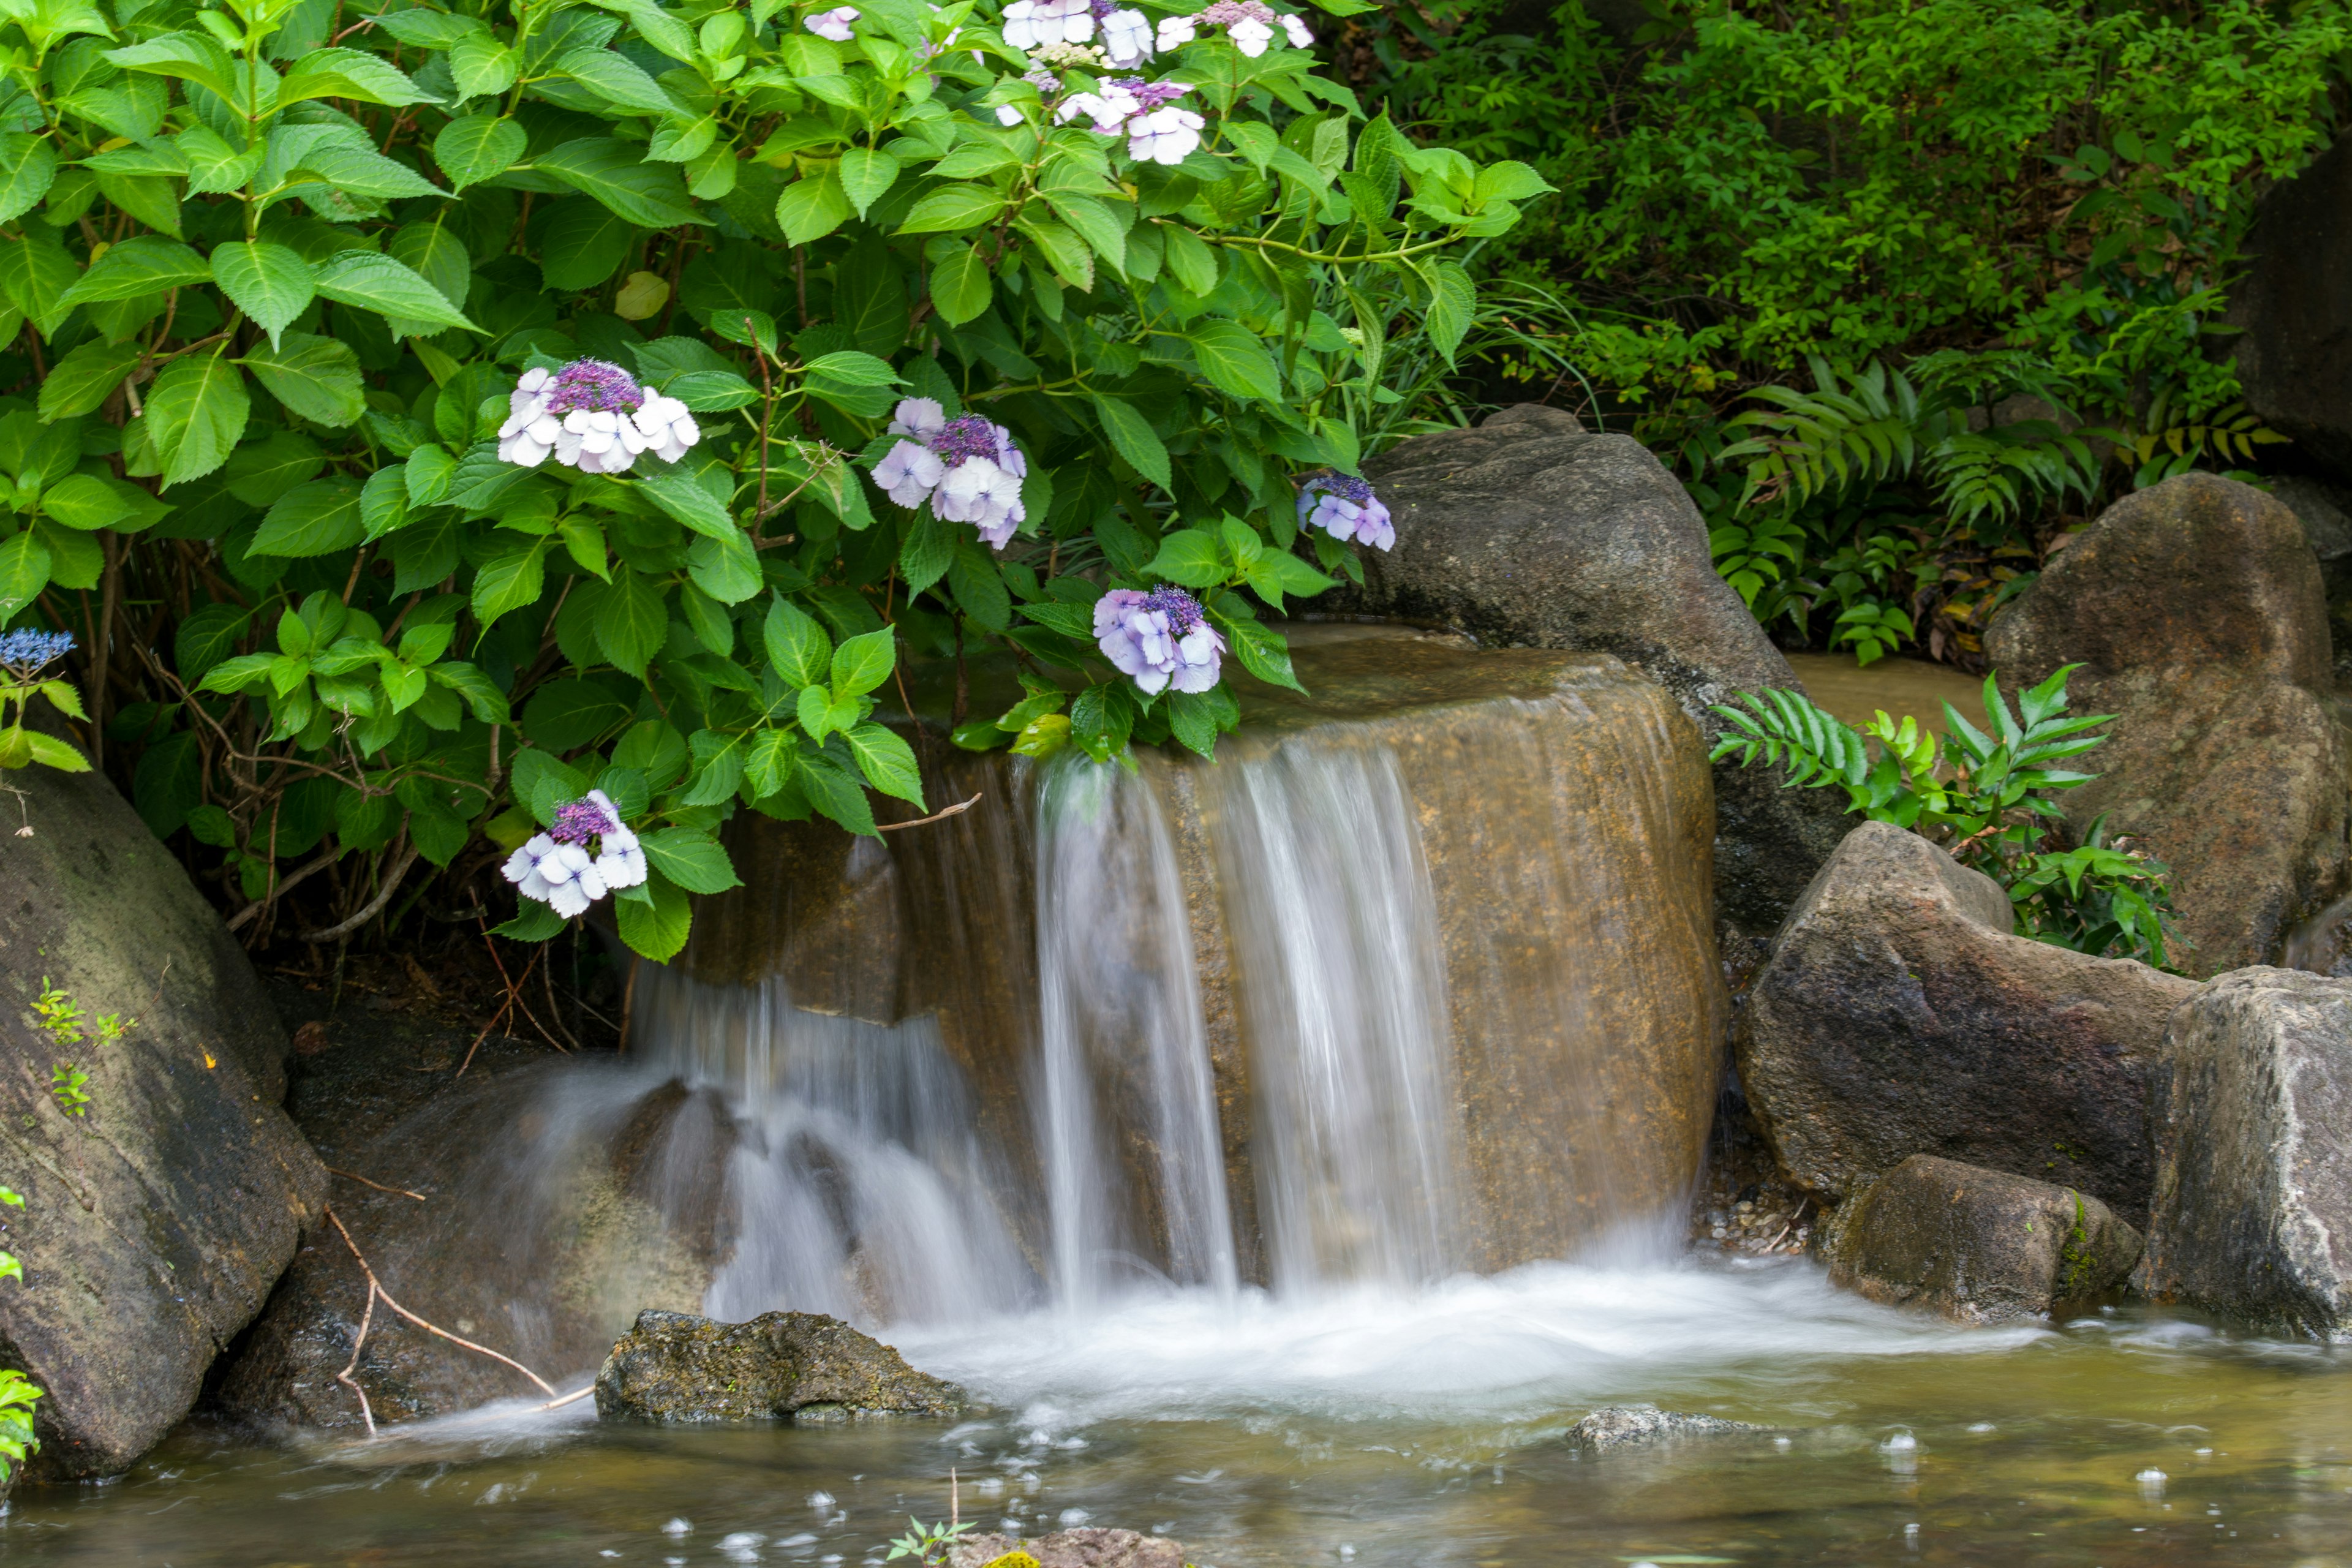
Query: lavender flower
[(1164, 136), (1144, 112), (1033, 24), (1126, 35), (834, 24), (967, 468), (587, 854), (1344, 507), (25, 652), (1163, 638), (593, 416), (1250, 25)]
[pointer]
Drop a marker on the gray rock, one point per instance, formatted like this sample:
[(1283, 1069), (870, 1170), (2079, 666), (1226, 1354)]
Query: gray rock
[(1899, 1016), (1977, 1246), (2252, 1211), (2319, 507), (1624, 1425), (1529, 530), (673, 1366), (2197, 613), (2296, 310), (153, 1226), (1087, 1547)]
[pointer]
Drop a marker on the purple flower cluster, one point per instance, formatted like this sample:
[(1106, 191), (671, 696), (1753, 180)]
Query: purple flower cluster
[(1344, 507), (586, 855), (1145, 112), (1162, 638), (27, 653), (594, 387), (968, 468), (592, 417), (1250, 25)]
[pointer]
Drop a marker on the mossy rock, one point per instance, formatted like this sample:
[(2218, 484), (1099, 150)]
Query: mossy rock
[(673, 1366)]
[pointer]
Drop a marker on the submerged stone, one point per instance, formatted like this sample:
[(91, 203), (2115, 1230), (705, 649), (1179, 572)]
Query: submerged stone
[(1088, 1548), (158, 1215), (673, 1366), (1627, 1425), (2252, 1212), (1977, 1246)]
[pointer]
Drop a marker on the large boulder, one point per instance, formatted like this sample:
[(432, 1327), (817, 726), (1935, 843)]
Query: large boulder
[(1899, 1016), (2197, 613), (1977, 1246), (156, 1221), (2253, 1112), (674, 1366), (2294, 305), (1530, 532)]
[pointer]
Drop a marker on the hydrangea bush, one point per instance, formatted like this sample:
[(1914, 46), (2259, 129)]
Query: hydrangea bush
[(525, 434)]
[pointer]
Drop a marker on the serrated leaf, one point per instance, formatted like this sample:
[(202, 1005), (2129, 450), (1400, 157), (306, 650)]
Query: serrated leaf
[(144, 264), (961, 286), (24, 570), (811, 208), (677, 492), (865, 174), (349, 73), (378, 283), (797, 647), (270, 283), (692, 860), (888, 761), (1132, 437), (28, 167), (657, 926), (79, 383), (476, 148), (651, 196), (951, 209), (318, 378), (196, 411), (1234, 359), (316, 519)]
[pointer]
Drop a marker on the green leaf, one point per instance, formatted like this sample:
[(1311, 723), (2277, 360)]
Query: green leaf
[(929, 546), (29, 166), (349, 73), (616, 78), (656, 927), (427, 473), (482, 65), (216, 165), (725, 566), (677, 492), (376, 282), (1262, 650), (23, 571), (206, 637), (384, 502), (81, 503), (811, 208), (191, 57), (961, 286), (1190, 259), (796, 644), (851, 368), (1454, 302), (509, 580), (862, 663), (690, 859), (1234, 360), (316, 519), (651, 196), (865, 174), (318, 378), (632, 622), (144, 264), (951, 209), (1132, 437), (584, 244), (476, 148), (271, 283), (79, 383), (565, 714), (1190, 557), (888, 763), (195, 412), (35, 273), (533, 921)]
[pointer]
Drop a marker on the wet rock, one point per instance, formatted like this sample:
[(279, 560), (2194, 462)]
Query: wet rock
[(1977, 1246), (1530, 532), (673, 1366), (155, 1223), (2296, 312), (1086, 1548), (2197, 612), (1624, 1425), (1899, 1016), (2252, 1211), (541, 1221)]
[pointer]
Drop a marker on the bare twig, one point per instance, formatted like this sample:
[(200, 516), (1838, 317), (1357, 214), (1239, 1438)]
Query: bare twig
[(377, 1292), (1794, 1216), (574, 1397), (324, 859), (951, 811), (379, 1186), (374, 906)]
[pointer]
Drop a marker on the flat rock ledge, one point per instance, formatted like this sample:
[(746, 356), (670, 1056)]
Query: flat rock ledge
[(1626, 1425), (800, 1366), (1087, 1547)]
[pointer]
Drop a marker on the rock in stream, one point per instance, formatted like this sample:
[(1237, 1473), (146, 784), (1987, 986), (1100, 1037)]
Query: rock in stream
[(673, 1366)]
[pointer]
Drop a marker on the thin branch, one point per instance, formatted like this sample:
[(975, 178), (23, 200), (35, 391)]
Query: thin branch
[(374, 906), (951, 811), (377, 1289), (324, 859), (379, 1186)]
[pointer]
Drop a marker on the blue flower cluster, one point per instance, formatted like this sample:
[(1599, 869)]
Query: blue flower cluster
[(28, 652)]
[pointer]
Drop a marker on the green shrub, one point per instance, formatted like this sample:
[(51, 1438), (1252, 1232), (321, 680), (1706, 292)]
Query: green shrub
[(1986, 797), (282, 270)]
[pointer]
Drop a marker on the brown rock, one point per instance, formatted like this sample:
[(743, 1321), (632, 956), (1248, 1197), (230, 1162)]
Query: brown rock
[(1532, 531), (2252, 1212), (1977, 1246), (1086, 1548), (673, 1366), (2295, 311), (154, 1223), (1899, 1016), (2197, 612), (1632, 1425)]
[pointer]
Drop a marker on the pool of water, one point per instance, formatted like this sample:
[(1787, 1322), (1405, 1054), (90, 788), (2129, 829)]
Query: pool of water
[(1379, 1428)]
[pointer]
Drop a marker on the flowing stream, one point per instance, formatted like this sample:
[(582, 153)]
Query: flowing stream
[(1288, 1152)]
